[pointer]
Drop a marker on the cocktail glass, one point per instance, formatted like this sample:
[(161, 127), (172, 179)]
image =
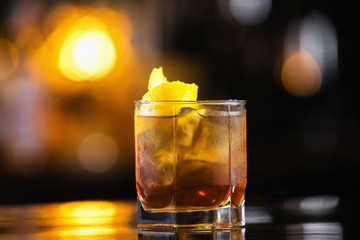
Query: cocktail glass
[(191, 167)]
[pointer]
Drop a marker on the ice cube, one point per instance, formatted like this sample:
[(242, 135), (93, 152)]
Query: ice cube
[(188, 123), (212, 144), (164, 163)]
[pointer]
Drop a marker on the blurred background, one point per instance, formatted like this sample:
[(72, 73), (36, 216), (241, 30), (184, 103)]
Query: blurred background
[(70, 71)]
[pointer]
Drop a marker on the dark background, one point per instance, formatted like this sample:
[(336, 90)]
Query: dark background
[(296, 145)]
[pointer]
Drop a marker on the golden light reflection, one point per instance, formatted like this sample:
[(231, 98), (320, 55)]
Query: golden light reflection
[(88, 232), (88, 53), (71, 220), (94, 218), (89, 213), (301, 75)]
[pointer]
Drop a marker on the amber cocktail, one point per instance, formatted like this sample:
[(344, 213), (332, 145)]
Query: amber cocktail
[(190, 164)]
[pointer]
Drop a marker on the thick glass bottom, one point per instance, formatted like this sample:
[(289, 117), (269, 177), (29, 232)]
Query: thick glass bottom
[(224, 218), (233, 234)]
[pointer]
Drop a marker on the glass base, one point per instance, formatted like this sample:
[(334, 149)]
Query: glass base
[(237, 234), (224, 218)]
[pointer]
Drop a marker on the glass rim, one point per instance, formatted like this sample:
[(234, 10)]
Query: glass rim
[(204, 102)]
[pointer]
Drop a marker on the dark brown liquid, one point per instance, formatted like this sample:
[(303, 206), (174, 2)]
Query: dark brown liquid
[(197, 185), (202, 196), (201, 184), (186, 198), (157, 197)]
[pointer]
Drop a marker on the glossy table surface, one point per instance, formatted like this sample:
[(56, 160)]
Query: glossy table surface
[(306, 217)]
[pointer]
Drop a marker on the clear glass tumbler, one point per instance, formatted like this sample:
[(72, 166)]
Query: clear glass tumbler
[(191, 167)]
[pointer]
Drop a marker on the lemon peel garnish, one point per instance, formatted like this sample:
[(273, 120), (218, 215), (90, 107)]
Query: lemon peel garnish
[(157, 77), (160, 89)]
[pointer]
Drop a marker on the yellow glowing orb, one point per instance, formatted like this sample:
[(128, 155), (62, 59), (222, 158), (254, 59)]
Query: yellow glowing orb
[(88, 53)]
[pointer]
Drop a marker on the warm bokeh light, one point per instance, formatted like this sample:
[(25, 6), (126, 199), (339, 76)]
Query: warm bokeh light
[(88, 53), (310, 53), (300, 75), (98, 152), (83, 44), (85, 61), (8, 59)]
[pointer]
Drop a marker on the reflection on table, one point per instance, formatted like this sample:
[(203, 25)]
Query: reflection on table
[(89, 219), (314, 217)]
